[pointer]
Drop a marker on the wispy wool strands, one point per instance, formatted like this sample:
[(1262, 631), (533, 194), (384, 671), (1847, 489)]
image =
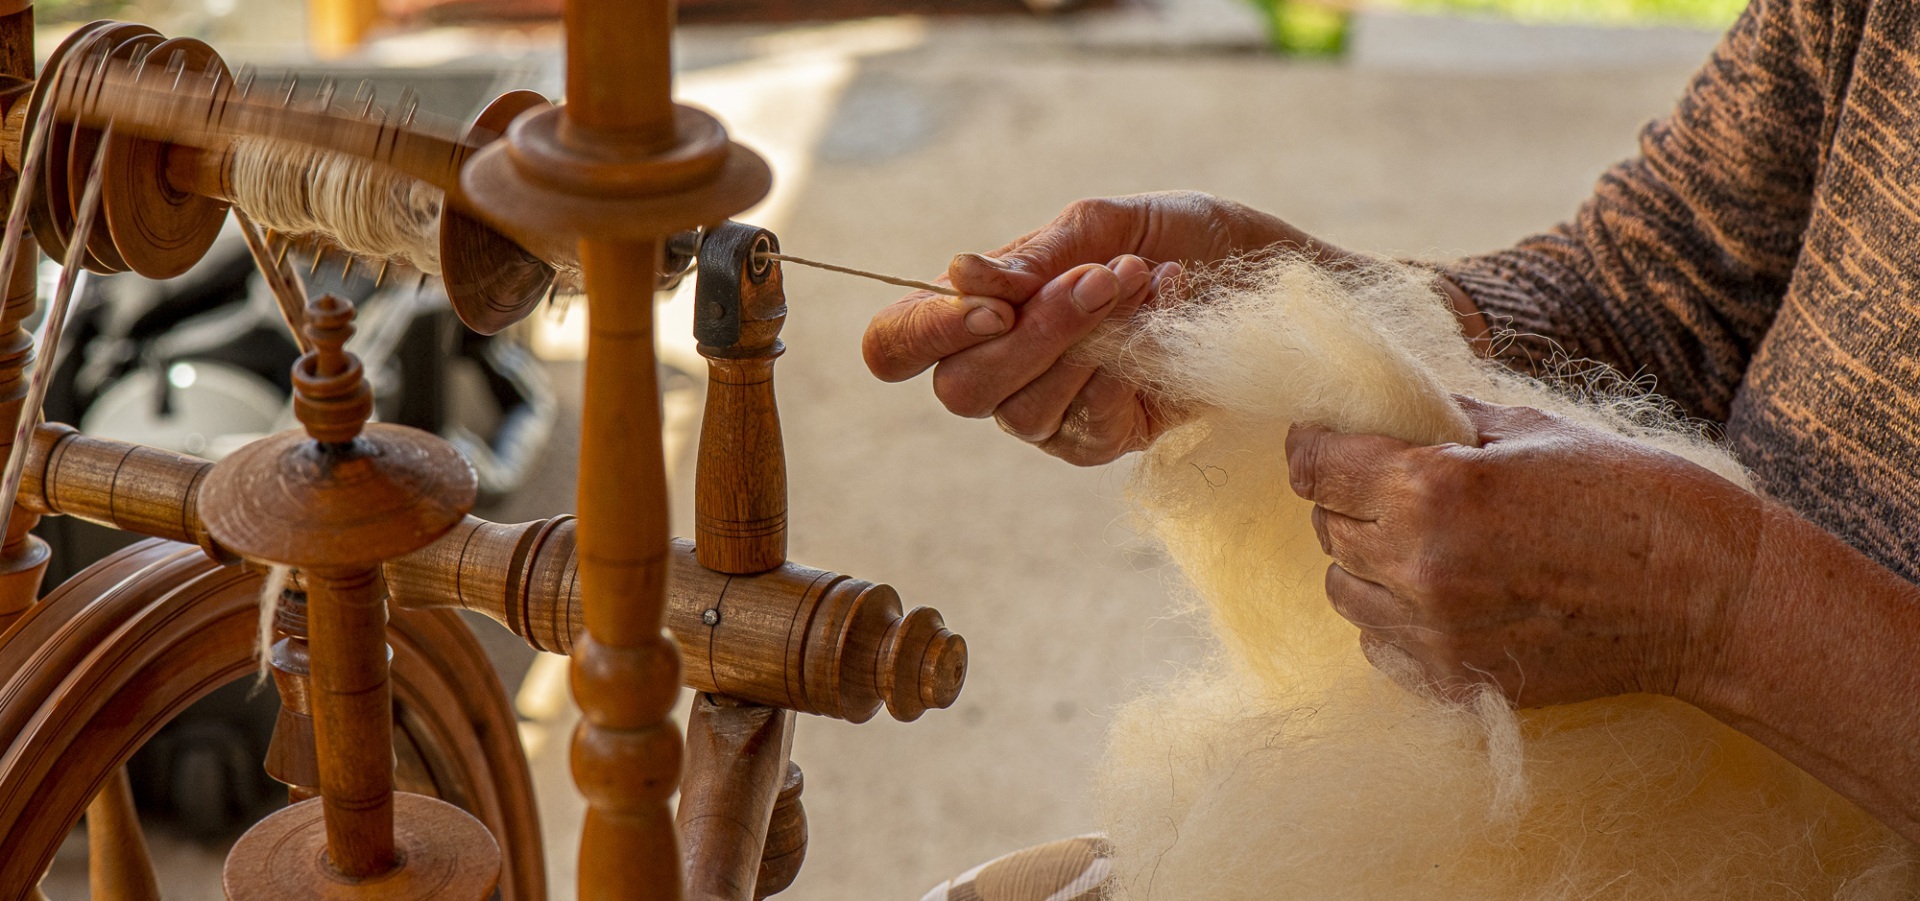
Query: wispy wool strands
[(367, 209), (271, 590), (1288, 768)]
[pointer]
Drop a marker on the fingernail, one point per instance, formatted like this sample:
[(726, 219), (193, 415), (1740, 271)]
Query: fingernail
[(1095, 290), (983, 259), (984, 322), (1165, 276)]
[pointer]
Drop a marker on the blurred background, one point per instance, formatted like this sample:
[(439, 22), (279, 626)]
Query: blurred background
[(901, 133)]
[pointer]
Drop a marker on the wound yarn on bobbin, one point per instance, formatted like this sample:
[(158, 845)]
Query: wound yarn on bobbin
[(367, 209)]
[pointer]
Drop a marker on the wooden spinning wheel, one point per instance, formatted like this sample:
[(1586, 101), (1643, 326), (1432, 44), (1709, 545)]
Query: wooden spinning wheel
[(406, 781)]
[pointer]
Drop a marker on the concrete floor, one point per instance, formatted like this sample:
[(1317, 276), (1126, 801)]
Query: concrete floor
[(899, 144)]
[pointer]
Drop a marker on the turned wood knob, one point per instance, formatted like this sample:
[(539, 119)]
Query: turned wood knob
[(330, 396), (922, 665), (786, 846)]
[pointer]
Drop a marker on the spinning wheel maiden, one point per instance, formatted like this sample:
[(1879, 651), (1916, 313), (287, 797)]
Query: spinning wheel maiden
[(405, 781)]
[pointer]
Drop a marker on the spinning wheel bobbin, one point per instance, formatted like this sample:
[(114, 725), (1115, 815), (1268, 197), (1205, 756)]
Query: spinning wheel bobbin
[(491, 281)]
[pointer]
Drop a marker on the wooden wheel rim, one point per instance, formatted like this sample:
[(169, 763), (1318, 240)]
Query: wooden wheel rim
[(92, 672)]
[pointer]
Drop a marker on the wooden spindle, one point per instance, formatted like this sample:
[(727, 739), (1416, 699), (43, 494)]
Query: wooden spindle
[(626, 672)]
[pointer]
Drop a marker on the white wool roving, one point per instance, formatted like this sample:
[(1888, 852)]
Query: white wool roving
[(1289, 768)]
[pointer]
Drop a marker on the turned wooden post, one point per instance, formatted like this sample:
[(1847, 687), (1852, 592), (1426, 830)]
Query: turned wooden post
[(23, 557), (737, 753), (620, 167), (118, 865)]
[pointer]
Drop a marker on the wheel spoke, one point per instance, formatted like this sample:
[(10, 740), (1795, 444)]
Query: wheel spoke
[(118, 865)]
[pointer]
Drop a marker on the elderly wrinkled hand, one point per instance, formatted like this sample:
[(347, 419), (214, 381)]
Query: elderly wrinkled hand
[(999, 349), (1554, 561)]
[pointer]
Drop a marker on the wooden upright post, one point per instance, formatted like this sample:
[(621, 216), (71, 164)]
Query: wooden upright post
[(23, 557), (619, 167)]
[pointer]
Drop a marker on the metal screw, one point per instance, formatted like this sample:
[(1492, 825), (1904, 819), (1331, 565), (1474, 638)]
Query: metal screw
[(711, 617)]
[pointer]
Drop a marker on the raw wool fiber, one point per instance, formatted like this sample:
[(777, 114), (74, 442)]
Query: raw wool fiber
[(366, 209), (1288, 768), (271, 590)]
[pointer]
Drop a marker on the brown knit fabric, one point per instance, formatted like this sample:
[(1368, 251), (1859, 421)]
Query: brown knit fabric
[(1761, 260)]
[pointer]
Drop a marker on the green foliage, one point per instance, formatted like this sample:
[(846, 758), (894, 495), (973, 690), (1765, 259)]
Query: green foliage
[(1704, 13), (1319, 27), (1304, 27)]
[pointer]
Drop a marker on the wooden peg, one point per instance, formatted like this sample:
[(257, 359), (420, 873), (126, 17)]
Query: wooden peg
[(740, 483)]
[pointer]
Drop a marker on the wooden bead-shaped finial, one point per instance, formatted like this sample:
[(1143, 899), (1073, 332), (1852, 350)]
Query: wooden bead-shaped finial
[(330, 393)]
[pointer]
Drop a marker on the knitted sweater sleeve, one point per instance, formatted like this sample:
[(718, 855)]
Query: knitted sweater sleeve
[(1676, 264)]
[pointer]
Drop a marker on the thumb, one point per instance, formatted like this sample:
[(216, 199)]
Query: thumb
[(1014, 277), (1499, 422)]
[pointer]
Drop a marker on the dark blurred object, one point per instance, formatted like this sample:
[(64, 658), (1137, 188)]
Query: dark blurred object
[(201, 774), (699, 12)]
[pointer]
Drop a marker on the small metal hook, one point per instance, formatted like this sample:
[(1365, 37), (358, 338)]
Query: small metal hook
[(410, 102), (177, 67)]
